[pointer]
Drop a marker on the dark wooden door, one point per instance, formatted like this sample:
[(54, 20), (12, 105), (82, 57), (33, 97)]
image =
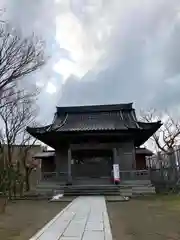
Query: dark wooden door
[(140, 162), (95, 168)]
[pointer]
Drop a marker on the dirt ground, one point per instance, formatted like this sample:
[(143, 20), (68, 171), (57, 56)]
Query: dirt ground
[(150, 218), (24, 218)]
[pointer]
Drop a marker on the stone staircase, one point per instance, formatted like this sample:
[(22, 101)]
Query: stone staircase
[(136, 188), (86, 190), (126, 188), (49, 188)]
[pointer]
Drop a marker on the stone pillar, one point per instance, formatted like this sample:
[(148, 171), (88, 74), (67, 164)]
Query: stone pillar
[(69, 166)]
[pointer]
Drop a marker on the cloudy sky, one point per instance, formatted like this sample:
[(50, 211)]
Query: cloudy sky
[(105, 51)]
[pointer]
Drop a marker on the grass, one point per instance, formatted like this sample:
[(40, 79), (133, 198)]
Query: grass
[(146, 218), (155, 217), (23, 219)]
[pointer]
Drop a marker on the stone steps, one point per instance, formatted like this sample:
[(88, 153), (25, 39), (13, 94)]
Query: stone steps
[(82, 190), (99, 193), (126, 188), (136, 183), (137, 190), (49, 188)]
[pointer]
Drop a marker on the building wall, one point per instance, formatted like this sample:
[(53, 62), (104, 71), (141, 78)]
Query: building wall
[(61, 162), (17, 156), (140, 161), (18, 152), (48, 164), (126, 156)]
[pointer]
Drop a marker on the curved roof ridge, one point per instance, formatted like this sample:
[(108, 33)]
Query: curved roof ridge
[(63, 122), (94, 108), (38, 129)]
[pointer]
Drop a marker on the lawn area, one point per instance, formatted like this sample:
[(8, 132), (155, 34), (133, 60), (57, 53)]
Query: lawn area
[(24, 218), (150, 218)]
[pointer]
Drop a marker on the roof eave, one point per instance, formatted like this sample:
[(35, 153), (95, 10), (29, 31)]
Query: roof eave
[(145, 134)]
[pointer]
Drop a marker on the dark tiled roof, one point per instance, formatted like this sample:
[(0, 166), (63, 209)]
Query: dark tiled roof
[(94, 108), (96, 118), (44, 154), (148, 126), (89, 122), (144, 151), (115, 120)]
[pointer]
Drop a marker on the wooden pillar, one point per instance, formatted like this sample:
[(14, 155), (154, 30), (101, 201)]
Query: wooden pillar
[(134, 158), (114, 155), (69, 166)]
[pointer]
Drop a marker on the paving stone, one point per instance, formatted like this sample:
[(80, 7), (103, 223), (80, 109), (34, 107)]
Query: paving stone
[(54, 231), (70, 238), (85, 218), (75, 229), (97, 218), (93, 235), (107, 229), (94, 226), (67, 215)]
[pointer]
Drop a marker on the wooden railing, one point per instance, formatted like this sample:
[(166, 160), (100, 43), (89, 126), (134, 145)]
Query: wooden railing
[(52, 176), (124, 175), (135, 175), (48, 176), (165, 175)]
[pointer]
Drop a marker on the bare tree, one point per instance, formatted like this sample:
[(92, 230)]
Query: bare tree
[(15, 116), (18, 56), (26, 162), (169, 134)]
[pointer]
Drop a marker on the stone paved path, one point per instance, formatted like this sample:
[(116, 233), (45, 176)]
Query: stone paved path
[(85, 218)]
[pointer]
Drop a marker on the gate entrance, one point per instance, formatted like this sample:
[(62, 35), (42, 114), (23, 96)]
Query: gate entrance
[(92, 163)]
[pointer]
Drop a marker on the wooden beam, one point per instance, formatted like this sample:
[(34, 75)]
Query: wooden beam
[(94, 146)]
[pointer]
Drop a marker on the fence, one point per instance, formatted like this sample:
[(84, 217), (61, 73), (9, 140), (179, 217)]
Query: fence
[(135, 175), (164, 168), (124, 175), (53, 176), (163, 160), (161, 169)]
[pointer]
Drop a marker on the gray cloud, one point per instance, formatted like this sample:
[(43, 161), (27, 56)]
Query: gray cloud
[(38, 17), (130, 50), (142, 54)]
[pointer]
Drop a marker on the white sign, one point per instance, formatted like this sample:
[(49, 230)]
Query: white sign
[(116, 172)]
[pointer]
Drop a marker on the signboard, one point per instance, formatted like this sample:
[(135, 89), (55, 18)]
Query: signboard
[(116, 172)]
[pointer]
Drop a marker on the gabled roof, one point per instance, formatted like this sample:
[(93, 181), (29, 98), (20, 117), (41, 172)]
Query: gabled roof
[(46, 154), (144, 151), (97, 118), (94, 121), (94, 108), (91, 118)]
